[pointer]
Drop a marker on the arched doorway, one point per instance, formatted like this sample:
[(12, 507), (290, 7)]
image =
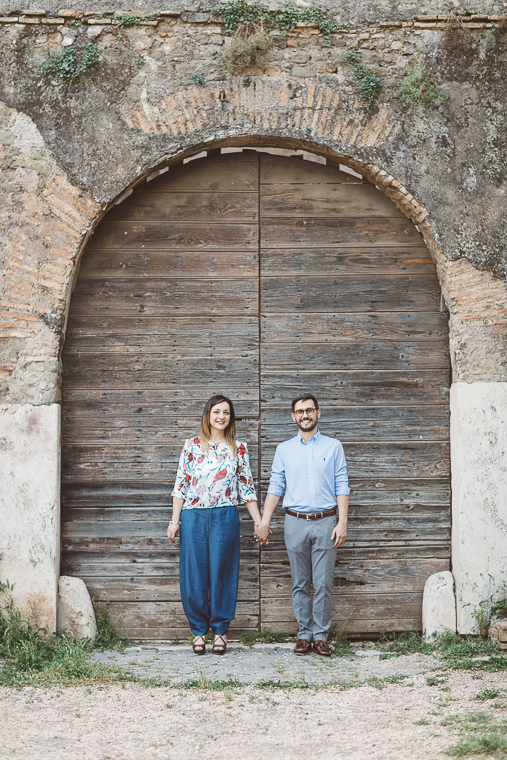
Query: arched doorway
[(257, 275)]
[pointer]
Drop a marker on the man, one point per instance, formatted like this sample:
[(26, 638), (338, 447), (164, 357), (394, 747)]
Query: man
[(312, 470)]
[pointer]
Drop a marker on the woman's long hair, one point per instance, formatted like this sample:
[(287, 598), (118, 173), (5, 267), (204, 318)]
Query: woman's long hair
[(230, 430)]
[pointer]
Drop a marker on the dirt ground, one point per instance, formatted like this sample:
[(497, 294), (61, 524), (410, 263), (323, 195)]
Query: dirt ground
[(133, 722)]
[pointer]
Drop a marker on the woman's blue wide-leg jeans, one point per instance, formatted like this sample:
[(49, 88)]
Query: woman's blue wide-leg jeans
[(209, 567)]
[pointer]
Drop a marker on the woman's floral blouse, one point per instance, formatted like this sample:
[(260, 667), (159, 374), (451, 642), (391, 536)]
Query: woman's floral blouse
[(209, 476)]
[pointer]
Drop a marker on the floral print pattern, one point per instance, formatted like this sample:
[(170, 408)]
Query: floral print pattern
[(209, 476)]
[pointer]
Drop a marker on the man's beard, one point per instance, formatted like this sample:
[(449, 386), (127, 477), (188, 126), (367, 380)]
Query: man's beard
[(299, 423)]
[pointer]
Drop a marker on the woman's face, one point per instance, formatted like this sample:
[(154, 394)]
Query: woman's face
[(220, 416)]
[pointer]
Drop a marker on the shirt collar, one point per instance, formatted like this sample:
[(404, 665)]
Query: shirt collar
[(315, 437)]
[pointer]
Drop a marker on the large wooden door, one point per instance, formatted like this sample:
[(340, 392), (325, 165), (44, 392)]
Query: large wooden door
[(257, 276)]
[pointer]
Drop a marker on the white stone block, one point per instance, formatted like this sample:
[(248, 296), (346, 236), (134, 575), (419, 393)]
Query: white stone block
[(439, 605), (30, 507), (479, 494), (75, 609)]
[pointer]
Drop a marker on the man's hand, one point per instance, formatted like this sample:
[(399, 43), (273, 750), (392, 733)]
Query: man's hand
[(172, 531), (262, 533), (339, 534)]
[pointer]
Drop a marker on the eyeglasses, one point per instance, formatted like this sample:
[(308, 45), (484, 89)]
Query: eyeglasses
[(301, 412)]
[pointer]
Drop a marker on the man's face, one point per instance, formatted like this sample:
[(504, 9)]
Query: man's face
[(305, 415)]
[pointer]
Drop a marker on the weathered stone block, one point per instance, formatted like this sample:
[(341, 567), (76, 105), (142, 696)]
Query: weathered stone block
[(30, 507), (498, 633), (439, 605), (479, 494), (75, 609)]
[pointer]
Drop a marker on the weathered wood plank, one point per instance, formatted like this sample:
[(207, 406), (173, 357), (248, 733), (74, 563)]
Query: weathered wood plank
[(377, 607), (195, 236), (428, 423), (419, 459), (342, 388), (357, 630), (290, 262), (179, 206), (313, 232), (350, 293), (409, 416), (167, 264), (238, 363), (159, 614), (172, 297), (293, 169), (325, 200), (169, 330), (390, 495), (149, 430), (237, 172), (188, 401), (378, 354), (131, 556), (354, 326), (378, 550), (384, 576)]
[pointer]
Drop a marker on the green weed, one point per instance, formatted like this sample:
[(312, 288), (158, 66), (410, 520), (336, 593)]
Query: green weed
[(483, 737), (66, 67), (199, 79), (236, 12), (485, 694), (420, 88), (110, 630), (131, 19), (369, 84), (406, 643)]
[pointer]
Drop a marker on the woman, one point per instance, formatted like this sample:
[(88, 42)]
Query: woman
[(213, 477)]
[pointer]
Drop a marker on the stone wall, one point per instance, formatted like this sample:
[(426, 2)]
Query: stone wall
[(68, 153)]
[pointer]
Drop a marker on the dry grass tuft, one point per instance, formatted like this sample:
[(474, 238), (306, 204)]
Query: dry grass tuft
[(456, 37), (247, 48)]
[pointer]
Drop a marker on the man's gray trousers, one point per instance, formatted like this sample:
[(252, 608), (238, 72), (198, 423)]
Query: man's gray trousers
[(312, 558)]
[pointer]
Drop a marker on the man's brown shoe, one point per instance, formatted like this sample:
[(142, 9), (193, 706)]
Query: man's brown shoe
[(322, 648), (303, 646)]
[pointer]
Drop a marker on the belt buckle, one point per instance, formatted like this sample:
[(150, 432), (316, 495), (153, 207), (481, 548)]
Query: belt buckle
[(310, 516)]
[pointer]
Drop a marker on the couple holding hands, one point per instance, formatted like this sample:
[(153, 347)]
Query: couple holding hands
[(214, 476)]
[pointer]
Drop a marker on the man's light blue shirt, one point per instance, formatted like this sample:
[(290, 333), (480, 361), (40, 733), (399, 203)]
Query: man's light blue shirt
[(312, 474)]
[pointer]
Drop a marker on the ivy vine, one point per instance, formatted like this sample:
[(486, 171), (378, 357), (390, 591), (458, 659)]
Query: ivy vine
[(66, 67), (132, 19), (236, 12), (369, 84)]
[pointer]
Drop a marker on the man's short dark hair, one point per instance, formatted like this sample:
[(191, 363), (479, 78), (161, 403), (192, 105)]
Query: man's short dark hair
[(305, 397)]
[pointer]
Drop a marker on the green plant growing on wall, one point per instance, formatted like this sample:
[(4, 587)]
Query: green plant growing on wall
[(128, 19), (236, 12), (199, 79), (420, 88), (67, 68), (247, 47), (369, 84)]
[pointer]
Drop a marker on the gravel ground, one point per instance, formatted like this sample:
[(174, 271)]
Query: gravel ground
[(262, 662), (135, 722)]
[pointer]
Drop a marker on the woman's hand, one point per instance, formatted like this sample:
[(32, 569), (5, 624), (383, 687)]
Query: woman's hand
[(172, 531)]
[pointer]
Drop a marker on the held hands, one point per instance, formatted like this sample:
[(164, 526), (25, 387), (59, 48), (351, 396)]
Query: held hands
[(172, 531), (339, 534), (262, 533)]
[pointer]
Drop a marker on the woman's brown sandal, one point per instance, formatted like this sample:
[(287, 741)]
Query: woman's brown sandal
[(199, 645), (219, 645)]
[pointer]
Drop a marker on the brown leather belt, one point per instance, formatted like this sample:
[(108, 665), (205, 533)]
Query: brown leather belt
[(311, 515)]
